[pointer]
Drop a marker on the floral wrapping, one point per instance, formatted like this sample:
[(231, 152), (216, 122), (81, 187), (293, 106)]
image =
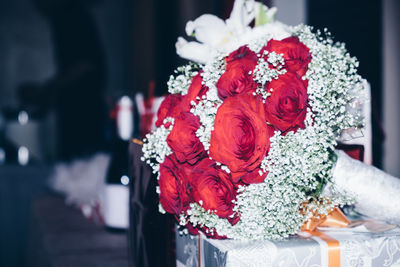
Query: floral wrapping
[(376, 193), (357, 249)]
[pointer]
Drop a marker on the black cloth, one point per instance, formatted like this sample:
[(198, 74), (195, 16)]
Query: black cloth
[(79, 82), (151, 234)]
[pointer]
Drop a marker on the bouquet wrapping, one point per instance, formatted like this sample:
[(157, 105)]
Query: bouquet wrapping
[(376, 194), (244, 145)]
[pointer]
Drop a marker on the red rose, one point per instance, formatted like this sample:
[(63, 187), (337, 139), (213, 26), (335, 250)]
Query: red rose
[(286, 108), (250, 177), (196, 89), (235, 81), (254, 177), (174, 192), (236, 78), (212, 233), (242, 56), (213, 187), (183, 140), (296, 54), (240, 138), (170, 107)]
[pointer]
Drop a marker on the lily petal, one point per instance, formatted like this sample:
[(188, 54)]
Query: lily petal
[(194, 51), (208, 29), (241, 16)]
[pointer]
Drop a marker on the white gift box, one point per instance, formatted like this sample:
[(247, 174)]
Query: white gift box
[(357, 247)]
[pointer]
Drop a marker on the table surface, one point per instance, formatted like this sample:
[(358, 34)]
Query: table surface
[(60, 236)]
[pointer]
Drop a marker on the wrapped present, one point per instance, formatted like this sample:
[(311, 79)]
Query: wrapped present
[(369, 244)]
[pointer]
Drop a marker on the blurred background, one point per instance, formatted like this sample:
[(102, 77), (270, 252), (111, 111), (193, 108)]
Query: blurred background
[(65, 63)]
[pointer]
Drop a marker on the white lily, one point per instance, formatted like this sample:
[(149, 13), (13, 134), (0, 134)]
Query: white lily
[(193, 51), (215, 35), (243, 13)]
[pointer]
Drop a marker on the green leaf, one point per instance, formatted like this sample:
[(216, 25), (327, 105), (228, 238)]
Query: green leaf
[(261, 17), (265, 15)]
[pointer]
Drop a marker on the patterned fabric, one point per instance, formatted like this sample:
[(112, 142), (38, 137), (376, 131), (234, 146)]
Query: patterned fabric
[(358, 248), (376, 193)]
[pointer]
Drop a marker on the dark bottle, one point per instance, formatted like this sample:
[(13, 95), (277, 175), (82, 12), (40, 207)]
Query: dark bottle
[(116, 193)]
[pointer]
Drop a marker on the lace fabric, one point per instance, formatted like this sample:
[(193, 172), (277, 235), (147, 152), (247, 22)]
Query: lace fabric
[(377, 194)]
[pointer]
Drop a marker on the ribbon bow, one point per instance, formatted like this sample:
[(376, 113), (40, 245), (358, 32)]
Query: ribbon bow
[(335, 218)]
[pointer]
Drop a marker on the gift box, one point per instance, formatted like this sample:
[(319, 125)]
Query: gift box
[(337, 247)]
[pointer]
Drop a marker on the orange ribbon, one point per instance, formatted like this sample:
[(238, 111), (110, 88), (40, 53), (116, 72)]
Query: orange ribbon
[(199, 248), (335, 218), (137, 141)]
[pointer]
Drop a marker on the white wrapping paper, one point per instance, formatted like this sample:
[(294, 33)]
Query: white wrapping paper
[(357, 249), (377, 194)]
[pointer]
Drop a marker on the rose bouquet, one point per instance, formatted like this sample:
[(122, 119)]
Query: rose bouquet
[(244, 144)]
